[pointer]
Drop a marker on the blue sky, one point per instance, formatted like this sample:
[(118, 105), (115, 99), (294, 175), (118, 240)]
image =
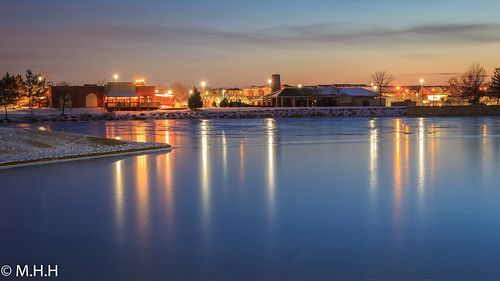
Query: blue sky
[(231, 43)]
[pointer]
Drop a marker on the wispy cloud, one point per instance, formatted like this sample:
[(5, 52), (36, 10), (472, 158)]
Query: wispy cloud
[(300, 35)]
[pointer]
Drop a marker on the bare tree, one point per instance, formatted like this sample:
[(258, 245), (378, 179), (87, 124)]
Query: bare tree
[(453, 86), (471, 82), (339, 93), (381, 79), (101, 82), (180, 91), (64, 101)]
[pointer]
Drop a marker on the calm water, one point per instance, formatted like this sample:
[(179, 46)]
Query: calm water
[(265, 199)]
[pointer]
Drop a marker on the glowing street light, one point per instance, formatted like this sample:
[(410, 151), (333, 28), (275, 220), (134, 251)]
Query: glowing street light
[(116, 77), (300, 86), (203, 86), (421, 82)]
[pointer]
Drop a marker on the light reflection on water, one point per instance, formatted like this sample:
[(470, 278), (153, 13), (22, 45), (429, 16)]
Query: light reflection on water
[(264, 199)]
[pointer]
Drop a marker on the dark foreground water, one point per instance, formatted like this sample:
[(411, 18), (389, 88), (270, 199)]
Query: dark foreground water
[(265, 199)]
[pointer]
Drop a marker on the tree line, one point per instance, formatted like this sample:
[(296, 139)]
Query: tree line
[(15, 89), (471, 85)]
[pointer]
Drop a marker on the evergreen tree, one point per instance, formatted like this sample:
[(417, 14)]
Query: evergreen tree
[(194, 101), (224, 103), (9, 92), (34, 86), (494, 89)]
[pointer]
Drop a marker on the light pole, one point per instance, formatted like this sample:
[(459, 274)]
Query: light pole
[(421, 94), (203, 86), (116, 77)]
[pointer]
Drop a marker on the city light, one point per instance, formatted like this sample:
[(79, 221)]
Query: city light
[(116, 77)]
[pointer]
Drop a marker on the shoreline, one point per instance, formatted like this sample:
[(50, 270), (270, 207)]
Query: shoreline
[(84, 114), (50, 115), (26, 163), (22, 147)]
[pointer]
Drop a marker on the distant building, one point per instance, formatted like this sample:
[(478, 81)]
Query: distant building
[(255, 94), (321, 96)]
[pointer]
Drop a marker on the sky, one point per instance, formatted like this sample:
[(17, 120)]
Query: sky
[(241, 43)]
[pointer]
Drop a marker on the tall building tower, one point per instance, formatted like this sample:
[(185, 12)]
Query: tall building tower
[(275, 83)]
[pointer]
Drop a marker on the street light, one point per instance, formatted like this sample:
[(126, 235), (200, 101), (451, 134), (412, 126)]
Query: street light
[(116, 77), (421, 82), (203, 86)]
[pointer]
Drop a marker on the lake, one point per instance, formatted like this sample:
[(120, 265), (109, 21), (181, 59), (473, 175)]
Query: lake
[(265, 199)]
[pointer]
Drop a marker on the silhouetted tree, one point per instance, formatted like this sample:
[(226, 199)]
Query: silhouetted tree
[(194, 101), (494, 88), (9, 92), (471, 82), (381, 79), (224, 103), (64, 100)]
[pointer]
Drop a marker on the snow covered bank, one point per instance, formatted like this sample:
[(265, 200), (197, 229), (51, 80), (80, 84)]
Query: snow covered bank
[(84, 114), (21, 146)]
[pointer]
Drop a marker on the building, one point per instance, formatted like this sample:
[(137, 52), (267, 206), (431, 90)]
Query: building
[(321, 96), (89, 95), (113, 96), (129, 96)]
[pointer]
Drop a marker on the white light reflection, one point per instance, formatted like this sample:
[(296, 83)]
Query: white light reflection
[(485, 153), (271, 166), (119, 216), (421, 159), (224, 155), (373, 157), (205, 180)]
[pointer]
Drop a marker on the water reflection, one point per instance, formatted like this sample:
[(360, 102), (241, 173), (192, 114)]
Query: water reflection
[(143, 197), (421, 159), (205, 181), (271, 166), (278, 224), (373, 156), (224, 156), (397, 172), (119, 200)]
